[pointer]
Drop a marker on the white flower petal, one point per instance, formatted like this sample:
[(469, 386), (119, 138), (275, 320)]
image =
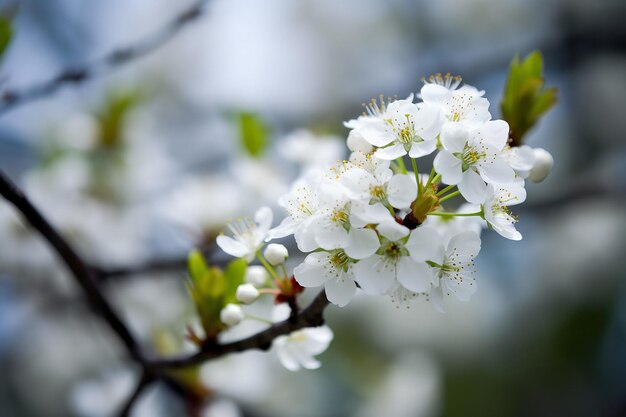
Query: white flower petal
[(232, 246), (462, 284), (449, 166), (472, 187), (391, 152), (495, 133), (362, 243), (465, 244), (340, 290), (425, 244), (419, 149), (401, 191), (497, 171), (454, 137), (374, 275), (392, 230), (363, 214), (376, 131), (310, 273), (285, 228), (330, 235), (263, 217), (414, 276), (434, 93)]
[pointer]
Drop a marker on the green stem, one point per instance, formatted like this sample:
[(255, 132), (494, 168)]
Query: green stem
[(391, 210), (420, 187), (267, 266), (454, 194), (282, 267), (257, 318), (400, 163), (444, 214), (436, 179), (445, 190)]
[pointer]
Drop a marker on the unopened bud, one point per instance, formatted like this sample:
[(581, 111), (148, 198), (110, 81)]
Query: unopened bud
[(542, 166), (247, 293), (256, 275), (275, 253), (231, 315)]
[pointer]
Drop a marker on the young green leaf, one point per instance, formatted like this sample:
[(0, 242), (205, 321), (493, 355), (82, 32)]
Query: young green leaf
[(234, 275), (253, 132), (6, 33), (526, 99)]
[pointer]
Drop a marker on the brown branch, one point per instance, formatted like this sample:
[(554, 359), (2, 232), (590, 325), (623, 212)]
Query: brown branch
[(84, 274), (312, 316), (11, 98)]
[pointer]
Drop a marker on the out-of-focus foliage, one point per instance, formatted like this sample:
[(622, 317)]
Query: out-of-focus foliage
[(254, 133), (211, 289), (526, 98), (6, 33)]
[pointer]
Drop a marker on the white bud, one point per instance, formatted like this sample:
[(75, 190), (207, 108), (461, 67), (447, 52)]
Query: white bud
[(275, 253), (356, 142), (256, 275), (231, 315), (542, 166), (247, 293)]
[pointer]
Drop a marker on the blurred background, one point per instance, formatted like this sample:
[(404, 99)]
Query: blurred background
[(148, 161)]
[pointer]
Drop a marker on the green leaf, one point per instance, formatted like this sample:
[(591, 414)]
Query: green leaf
[(234, 276), (197, 266), (6, 33), (526, 99), (253, 133)]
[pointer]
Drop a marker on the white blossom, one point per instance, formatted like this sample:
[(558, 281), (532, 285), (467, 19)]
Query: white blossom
[(334, 270), (496, 208), (392, 263), (297, 350), (404, 128), (464, 105), (380, 186), (520, 158), (472, 158), (452, 262), (248, 235)]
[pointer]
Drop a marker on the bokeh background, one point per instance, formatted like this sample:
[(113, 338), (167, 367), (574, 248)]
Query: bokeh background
[(146, 161)]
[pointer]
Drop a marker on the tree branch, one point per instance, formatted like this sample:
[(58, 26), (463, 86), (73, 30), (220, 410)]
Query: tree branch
[(141, 385), (11, 98), (311, 316), (85, 275)]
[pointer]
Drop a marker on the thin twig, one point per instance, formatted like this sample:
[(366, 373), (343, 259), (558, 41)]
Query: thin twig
[(312, 316), (84, 274), (11, 98), (143, 383)]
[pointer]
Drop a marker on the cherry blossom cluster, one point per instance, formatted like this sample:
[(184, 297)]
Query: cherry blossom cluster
[(370, 222)]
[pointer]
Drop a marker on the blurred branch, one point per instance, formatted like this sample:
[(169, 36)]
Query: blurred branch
[(141, 385), (84, 274), (311, 316), (87, 278), (11, 98)]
